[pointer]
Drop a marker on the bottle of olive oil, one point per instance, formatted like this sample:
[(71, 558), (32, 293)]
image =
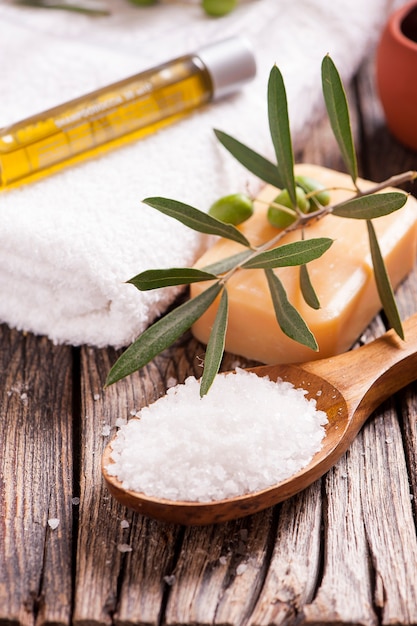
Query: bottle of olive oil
[(122, 112)]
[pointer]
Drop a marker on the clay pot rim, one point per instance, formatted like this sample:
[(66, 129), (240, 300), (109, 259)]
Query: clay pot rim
[(395, 25)]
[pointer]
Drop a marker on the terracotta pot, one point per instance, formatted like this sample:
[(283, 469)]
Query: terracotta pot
[(396, 67)]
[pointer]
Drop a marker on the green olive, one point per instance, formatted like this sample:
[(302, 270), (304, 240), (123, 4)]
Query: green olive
[(281, 219), (233, 209), (217, 8), (317, 190)]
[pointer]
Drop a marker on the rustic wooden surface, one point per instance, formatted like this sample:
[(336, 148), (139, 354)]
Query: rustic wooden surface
[(342, 552)]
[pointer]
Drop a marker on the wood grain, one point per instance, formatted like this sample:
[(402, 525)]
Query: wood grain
[(35, 480), (294, 568), (121, 557), (219, 572), (388, 519), (345, 591)]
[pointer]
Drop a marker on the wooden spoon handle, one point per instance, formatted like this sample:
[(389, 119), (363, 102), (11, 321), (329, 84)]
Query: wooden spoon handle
[(369, 375)]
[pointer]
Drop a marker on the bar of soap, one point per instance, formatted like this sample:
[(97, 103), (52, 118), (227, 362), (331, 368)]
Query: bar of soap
[(343, 279)]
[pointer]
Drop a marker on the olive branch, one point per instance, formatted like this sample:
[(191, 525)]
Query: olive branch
[(366, 205)]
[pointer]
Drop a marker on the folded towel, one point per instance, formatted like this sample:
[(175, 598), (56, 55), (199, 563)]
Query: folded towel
[(69, 242)]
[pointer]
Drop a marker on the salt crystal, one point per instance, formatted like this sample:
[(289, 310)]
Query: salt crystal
[(105, 431), (246, 434), (124, 547), (53, 523), (170, 580), (96, 396), (124, 523), (241, 569), (75, 501), (223, 560)]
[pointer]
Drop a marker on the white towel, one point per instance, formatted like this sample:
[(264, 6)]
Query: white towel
[(69, 242)]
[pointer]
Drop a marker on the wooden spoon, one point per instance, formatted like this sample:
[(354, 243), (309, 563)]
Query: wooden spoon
[(348, 387)]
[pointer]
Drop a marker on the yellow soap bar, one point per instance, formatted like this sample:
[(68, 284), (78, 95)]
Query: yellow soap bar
[(343, 279)]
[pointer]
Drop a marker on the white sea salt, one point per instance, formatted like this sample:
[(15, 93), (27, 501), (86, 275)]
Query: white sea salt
[(53, 523), (124, 547), (106, 430), (246, 434), (170, 580)]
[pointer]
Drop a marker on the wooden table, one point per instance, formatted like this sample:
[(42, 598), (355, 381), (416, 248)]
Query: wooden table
[(342, 552)]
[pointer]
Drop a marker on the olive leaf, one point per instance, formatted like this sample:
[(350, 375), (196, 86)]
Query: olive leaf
[(383, 283), (280, 131), (371, 206), (338, 112), (162, 334), (197, 220), (254, 162), (230, 262), (155, 279), (288, 318), (87, 6), (215, 345), (295, 253), (307, 289)]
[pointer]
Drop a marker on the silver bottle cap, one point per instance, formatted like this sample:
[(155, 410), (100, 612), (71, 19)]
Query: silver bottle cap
[(230, 63)]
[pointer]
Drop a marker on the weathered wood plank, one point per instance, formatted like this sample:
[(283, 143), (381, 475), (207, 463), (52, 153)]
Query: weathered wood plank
[(294, 567), (408, 400), (408, 409), (147, 573), (345, 592), (219, 572), (388, 519), (99, 531), (35, 480), (386, 496), (122, 567)]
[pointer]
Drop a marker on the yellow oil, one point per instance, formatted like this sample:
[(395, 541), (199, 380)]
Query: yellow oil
[(110, 117)]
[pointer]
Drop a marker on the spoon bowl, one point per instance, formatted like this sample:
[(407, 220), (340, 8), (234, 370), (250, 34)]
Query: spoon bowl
[(348, 387)]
